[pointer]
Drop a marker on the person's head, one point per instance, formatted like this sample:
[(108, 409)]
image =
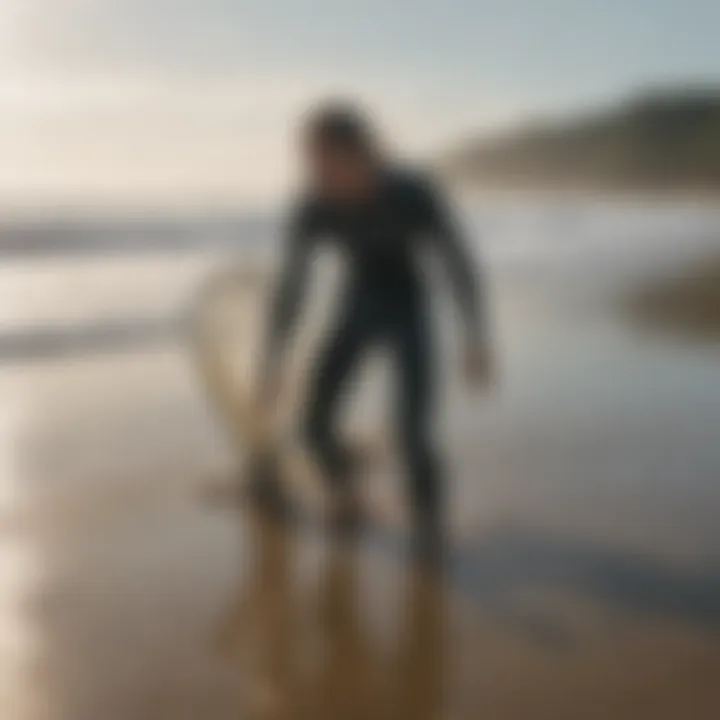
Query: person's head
[(340, 151)]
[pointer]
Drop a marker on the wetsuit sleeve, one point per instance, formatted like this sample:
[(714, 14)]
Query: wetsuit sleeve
[(464, 270), (286, 302)]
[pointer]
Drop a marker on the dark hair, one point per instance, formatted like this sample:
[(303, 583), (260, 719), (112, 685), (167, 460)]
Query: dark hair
[(342, 125)]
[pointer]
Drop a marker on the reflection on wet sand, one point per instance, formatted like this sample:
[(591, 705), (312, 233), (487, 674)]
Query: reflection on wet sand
[(321, 659), (259, 635)]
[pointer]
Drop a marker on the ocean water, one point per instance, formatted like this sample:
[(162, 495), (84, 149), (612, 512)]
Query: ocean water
[(585, 490)]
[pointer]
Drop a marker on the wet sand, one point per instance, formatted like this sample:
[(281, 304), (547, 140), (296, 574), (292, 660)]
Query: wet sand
[(127, 595)]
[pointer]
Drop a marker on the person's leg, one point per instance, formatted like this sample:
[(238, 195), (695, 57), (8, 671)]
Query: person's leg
[(338, 358), (413, 348)]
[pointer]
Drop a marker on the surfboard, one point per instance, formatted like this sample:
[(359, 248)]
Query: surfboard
[(227, 320)]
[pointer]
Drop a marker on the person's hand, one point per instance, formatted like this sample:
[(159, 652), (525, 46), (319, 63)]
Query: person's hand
[(478, 365)]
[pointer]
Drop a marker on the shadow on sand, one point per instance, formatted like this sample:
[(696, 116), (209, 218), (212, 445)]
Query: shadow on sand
[(508, 564)]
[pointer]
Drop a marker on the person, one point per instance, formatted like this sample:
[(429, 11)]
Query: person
[(381, 217)]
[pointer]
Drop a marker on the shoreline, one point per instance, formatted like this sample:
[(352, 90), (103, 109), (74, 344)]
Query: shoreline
[(686, 198)]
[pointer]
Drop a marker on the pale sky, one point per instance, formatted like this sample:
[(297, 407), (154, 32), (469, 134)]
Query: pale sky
[(193, 101)]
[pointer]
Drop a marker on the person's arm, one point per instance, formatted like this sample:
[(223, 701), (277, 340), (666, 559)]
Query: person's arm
[(287, 300), (465, 277)]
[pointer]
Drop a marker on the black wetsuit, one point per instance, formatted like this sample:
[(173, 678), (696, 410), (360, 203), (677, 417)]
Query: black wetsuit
[(385, 303)]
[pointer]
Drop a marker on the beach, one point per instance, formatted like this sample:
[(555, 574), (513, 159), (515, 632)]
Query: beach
[(583, 577)]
